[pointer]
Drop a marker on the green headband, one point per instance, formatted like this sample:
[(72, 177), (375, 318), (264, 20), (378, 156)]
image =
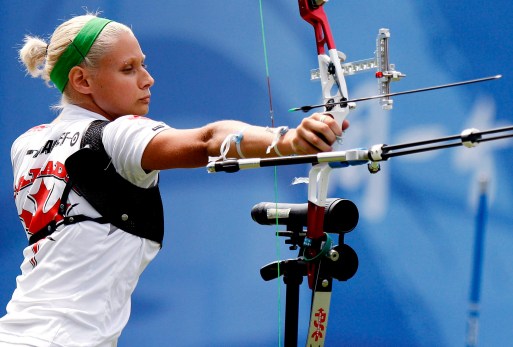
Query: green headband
[(76, 51)]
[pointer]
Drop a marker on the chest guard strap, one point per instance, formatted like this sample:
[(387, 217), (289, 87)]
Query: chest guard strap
[(133, 209)]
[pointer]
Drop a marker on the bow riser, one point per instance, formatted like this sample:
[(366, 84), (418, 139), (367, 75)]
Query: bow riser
[(333, 81), (317, 194)]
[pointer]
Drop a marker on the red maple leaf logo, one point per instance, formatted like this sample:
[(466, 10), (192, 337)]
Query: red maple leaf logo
[(35, 221)]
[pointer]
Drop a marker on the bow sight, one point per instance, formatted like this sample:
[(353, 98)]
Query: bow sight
[(385, 73)]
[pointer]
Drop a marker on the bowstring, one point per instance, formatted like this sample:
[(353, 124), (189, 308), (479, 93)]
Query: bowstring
[(271, 114)]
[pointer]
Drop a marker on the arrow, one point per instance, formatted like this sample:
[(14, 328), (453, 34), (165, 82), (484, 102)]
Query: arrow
[(344, 103)]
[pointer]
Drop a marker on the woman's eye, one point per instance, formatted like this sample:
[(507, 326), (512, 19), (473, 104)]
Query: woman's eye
[(132, 68)]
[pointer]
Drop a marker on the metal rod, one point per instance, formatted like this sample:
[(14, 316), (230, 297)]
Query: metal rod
[(420, 143), (418, 150)]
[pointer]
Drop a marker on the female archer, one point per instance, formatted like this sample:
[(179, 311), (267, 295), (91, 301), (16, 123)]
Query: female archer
[(86, 185)]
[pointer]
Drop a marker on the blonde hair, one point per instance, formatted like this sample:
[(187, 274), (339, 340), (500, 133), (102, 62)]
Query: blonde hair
[(40, 57)]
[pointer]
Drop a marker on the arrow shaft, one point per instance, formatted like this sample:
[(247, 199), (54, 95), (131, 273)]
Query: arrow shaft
[(442, 86), (426, 89)]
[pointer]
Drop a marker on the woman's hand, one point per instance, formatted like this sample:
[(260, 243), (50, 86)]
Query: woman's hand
[(316, 133)]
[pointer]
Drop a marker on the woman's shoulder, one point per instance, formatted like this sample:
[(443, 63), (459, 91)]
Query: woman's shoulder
[(135, 125), (142, 120), (37, 130)]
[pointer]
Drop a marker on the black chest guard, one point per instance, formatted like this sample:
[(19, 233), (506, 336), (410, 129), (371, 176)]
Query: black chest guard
[(135, 210)]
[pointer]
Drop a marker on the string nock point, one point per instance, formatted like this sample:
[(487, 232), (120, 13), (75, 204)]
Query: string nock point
[(470, 137)]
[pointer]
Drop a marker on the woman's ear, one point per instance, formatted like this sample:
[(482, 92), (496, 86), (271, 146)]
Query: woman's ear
[(79, 79)]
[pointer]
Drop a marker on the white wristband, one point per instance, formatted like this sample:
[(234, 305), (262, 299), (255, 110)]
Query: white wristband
[(237, 138), (278, 133)]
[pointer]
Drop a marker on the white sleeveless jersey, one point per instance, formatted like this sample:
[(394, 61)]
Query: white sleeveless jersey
[(75, 285)]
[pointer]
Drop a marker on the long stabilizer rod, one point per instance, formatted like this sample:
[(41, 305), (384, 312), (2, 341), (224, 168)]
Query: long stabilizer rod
[(468, 138)]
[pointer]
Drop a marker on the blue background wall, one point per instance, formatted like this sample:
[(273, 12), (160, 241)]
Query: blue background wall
[(416, 231)]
